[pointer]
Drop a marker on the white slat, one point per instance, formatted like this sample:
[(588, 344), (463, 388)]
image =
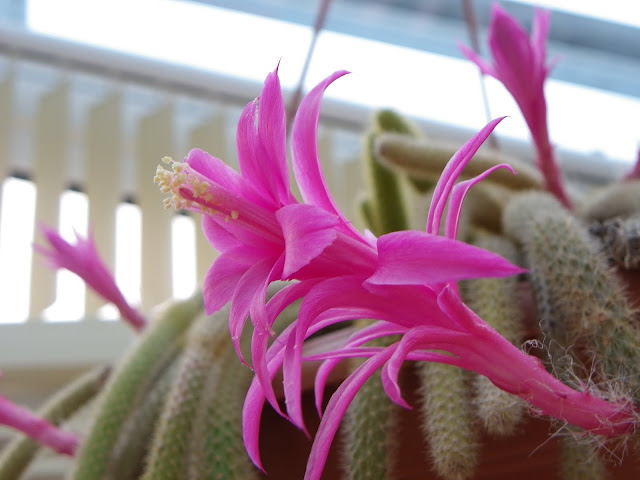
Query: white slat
[(154, 140), (50, 137), (211, 137), (104, 148), (6, 120)]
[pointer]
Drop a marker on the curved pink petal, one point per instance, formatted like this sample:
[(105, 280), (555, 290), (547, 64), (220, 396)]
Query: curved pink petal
[(304, 152), (261, 144), (225, 273), (251, 288), (451, 173), (215, 170), (307, 231), (418, 338), (457, 197), (513, 54), (272, 130), (485, 67), (418, 258), (336, 409)]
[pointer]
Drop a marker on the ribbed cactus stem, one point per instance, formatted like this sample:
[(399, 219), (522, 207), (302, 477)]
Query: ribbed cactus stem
[(133, 379), (216, 447), (583, 306), (206, 343), (128, 457), (387, 203), (425, 159), (580, 461), (18, 454), (616, 200), (368, 430), (495, 300), (448, 422)]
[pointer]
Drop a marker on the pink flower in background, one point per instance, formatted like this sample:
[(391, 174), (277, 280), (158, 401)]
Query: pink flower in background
[(405, 280), (43, 432), (82, 259), (519, 62)]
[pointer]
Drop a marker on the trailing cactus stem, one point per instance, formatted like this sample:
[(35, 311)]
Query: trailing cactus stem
[(495, 300), (128, 457), (423, 159), (368, 430), (206, 343), (130, 383), (386, 196), (18, 454), (616, 200), (216, 448), (583, 306), (448, 421), (580, 461)]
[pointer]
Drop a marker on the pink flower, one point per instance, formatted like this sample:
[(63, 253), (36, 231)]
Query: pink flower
[(82, 259), (18, 418), (519, 63), (405, 280)]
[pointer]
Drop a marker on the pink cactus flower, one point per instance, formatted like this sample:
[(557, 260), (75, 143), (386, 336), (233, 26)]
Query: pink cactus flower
[(82, 258), (40, 430), (404, 280), (519, 63)]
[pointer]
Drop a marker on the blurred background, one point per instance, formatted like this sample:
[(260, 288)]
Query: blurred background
[(94, 93)]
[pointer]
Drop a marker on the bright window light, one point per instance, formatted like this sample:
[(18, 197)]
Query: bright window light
[(183, 256), (418, 83), (74, 210), (16, 235)]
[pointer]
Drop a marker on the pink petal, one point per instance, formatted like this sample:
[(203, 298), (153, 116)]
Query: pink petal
[(513, 54), (304, 152), (451, 173), (307, 231), (457, 197), (273, 135), (484, 66), (418, 258), (419, 338), (224, 275), (251, 288), (261, 142), (336, 409)]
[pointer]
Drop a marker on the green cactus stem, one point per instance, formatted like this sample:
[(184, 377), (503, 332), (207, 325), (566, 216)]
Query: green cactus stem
[(496, 301), (19, 453), (216, 448), (206, 343), (135, 376), (580, 461), (368, 429), (616, 200), (423, 159), (448, 422), (583, 305), (387, 207), (127, 459)]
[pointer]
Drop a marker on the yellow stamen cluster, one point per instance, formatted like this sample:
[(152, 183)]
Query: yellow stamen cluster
[(171, 181)]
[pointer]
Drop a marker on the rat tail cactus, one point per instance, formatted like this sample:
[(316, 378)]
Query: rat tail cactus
[(467, 298)]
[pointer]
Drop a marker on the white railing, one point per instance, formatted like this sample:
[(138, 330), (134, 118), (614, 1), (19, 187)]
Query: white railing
[(75, 117)]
